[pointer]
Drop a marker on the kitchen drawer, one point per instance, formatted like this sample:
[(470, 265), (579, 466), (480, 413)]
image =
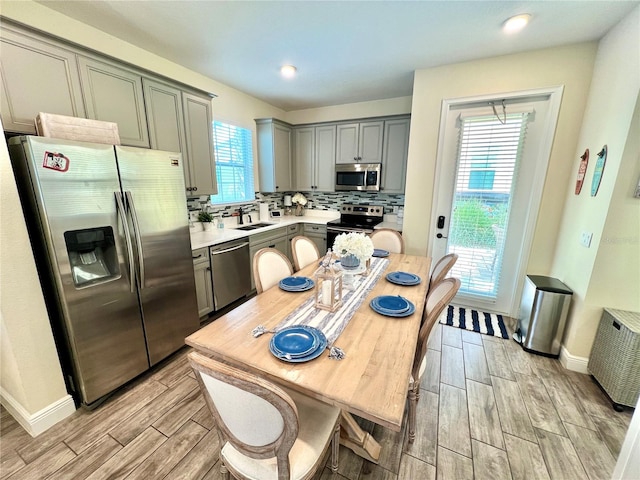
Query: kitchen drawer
[(293, 229), (268, 236), (314, 228), (201, 255)]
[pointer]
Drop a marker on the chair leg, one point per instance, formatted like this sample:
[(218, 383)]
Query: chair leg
[(335, 449), (413, 403), (224, 471)]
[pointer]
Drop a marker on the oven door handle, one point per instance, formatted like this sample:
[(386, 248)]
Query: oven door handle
[(349, 229)]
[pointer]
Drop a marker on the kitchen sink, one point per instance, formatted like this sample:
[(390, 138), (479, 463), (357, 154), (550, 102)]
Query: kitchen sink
[(253, 226)]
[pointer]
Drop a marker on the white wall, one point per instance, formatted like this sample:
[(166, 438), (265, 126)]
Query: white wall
[(30, 372), (607, 274), (570, 66)]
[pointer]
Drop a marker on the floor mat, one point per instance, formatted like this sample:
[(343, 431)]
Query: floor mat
[(475, 321)]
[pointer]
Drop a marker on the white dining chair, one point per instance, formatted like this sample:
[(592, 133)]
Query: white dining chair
[(269, 267), (266, 433), (388, 239), (437, 300), (442, 268), (304, 252)]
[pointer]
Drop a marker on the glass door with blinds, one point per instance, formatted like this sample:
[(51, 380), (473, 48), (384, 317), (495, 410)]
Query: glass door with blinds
[(485, 184)]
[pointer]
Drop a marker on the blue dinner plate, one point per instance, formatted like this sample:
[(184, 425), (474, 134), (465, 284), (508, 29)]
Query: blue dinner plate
[(378, 252), (410, 311), (295, 341), (403, 278), (295, 282), (315, 353), (391, 303)]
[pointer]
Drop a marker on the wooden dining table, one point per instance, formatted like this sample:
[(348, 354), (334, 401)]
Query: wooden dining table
[(371, 381)]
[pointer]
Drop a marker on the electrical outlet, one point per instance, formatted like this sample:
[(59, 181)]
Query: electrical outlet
[(585, 239)]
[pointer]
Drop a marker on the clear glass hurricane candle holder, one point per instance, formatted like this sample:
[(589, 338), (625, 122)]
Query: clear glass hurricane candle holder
[(328, 289)]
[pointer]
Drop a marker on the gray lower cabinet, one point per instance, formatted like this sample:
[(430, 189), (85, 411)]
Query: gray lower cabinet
[(318, 234), (36, 76), (114, 94), (394, 155), (292, 231), (273, 239), (204, 284)]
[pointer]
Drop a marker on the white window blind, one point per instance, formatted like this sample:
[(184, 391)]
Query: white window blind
[(234, 163), (488, 156)]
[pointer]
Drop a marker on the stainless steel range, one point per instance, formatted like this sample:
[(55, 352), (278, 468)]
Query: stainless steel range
[(354, 218)]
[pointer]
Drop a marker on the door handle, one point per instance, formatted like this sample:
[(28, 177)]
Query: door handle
[(441, 236), (136, 231), (127, 237), (231, 249)]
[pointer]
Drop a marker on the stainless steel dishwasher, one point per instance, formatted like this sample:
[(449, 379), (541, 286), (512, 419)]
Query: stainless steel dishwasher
[(230, 268)]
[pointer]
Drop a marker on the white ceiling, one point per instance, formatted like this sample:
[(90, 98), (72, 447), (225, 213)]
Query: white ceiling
[(345, 51)]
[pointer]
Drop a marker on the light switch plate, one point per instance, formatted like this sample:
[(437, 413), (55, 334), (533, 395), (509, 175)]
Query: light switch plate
[(585, 239)]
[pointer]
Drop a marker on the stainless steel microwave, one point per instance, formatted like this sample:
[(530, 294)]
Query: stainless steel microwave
[(362, 177)]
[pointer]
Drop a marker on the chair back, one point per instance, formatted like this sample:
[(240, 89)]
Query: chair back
[(269, 267), (437, 299), (442, 268), (388, 239), (304, 252), (258, 418)]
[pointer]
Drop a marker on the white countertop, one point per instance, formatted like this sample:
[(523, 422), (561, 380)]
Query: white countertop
[(229, 232), (392, 225)]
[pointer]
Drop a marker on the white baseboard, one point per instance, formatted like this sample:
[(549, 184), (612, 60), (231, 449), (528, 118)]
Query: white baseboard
[(571, 362), (35, 424)]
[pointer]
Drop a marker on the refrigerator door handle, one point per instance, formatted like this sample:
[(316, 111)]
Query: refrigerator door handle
[(136, 231), (127, 237)]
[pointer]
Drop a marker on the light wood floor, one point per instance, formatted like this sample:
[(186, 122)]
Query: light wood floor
[(487, 410)]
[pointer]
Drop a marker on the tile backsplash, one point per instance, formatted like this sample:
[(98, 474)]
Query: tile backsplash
[(317, 201)]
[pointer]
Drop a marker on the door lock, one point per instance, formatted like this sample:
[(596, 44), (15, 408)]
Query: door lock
[(441, 236)]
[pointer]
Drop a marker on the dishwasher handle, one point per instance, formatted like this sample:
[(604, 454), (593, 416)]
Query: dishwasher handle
[(231, 249)]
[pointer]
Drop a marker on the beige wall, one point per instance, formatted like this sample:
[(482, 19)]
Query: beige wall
[(570, 66), (377, 108), (29, 370), (608, 273)]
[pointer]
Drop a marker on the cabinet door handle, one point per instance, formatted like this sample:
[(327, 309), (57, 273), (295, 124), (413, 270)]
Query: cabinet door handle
[(195, 188), (197, 256), (272, 246)]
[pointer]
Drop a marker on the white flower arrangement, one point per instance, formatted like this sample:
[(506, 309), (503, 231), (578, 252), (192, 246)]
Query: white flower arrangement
[(357, 244), (300, 199)]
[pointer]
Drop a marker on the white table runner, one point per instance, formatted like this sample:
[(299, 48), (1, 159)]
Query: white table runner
[(333, 323)]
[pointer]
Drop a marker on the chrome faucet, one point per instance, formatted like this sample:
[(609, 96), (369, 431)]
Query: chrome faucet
[(240, 220)]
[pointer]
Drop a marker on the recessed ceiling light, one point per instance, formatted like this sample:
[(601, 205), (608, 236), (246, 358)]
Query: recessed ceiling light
[(288, 71), (517, 23)]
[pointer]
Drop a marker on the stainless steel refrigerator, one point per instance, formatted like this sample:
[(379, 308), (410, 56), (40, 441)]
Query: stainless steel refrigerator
[(109, 230)]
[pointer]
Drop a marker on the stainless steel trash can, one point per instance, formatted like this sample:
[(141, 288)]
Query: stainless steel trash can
[(543, 315)]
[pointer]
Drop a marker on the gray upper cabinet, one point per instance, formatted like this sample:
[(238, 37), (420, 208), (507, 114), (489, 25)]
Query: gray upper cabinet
[(314, 158), (274, 155), (114, 94), (325, 158), (200, 169), (394, 157), (359, 142), (164, 116), (36, 76), (304, 156)]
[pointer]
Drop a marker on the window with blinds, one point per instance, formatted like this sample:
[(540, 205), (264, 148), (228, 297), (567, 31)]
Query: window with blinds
[(489, 152), (234, 163)]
